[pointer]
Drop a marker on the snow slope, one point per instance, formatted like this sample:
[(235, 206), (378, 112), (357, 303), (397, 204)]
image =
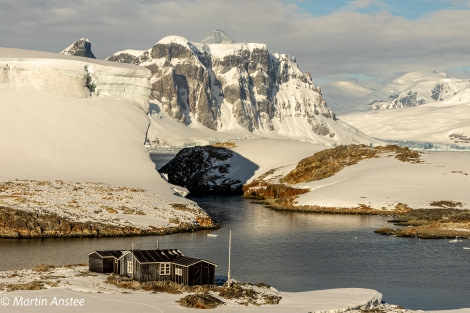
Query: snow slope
[(445, 123), (380, 183), (53, 128)]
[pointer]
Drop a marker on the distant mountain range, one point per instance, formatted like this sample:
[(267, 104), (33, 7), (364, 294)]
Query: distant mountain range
[(244, 88), (408, 90), (417, 88)]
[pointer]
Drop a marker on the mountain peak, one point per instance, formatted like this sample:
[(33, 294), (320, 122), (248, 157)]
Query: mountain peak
[(81, 48), (173, 39), (217, 36)]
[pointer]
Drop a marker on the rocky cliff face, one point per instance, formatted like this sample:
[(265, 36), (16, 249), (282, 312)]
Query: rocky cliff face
[(227, 86)]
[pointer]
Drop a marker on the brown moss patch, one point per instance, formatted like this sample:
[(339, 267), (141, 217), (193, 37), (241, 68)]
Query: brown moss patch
[(225, 144), (34, 285), (328, 162)]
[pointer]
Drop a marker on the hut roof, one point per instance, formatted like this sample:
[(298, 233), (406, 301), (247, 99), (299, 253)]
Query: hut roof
[(108, 253), (155, 256), (187, 261)]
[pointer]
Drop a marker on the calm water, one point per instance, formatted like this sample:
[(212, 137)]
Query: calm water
[(293, 252)]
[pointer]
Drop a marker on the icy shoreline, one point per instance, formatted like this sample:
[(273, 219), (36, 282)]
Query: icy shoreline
[(75, 288)]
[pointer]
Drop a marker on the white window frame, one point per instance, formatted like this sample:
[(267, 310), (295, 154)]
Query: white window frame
[(179, 271), (130, 267), (165, 269)]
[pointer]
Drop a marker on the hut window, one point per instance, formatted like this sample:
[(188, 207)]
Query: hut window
[(178, 271), (165, 269), (129, 267)]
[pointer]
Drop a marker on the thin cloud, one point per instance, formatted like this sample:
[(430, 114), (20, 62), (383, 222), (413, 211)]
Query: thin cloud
[(341, 44), (365, 4)]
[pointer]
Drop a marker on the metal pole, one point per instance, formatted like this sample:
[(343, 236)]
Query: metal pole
[(229, 253)]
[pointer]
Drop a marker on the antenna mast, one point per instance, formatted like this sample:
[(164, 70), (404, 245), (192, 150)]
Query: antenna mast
[(229, 253)]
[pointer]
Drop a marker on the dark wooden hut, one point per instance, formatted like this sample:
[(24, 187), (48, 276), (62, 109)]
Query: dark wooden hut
[(154, 265), (148, 265), (191, 271), (104, 261)]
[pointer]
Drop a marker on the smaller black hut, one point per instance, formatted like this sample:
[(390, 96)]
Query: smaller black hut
[(190, 271), (104, 261)]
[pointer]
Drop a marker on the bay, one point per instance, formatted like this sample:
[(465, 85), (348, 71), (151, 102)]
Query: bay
[(292, 252)]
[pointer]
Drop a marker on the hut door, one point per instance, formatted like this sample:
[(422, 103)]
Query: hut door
[(197, 276)]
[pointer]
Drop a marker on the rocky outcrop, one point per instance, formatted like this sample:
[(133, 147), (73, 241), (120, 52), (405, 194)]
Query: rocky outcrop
[(80, 48), (407, 100), (203, 170)]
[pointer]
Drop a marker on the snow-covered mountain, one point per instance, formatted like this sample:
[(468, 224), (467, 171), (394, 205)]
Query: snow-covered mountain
[(80, 48), (217, 36), (239, 87), (417, 88)]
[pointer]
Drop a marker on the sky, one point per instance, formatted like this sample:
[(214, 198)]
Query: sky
[(361, 40)]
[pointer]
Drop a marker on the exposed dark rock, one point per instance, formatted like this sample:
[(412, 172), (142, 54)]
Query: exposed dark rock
[(200, 301), (81, 48), (436, 92), (203, 170), (129, 58)]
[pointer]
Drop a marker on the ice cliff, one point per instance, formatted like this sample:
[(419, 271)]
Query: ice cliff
[(72, 76)]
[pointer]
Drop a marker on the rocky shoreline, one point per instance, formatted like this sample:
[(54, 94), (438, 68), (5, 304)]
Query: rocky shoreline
[(19, 224), (443, 223)]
